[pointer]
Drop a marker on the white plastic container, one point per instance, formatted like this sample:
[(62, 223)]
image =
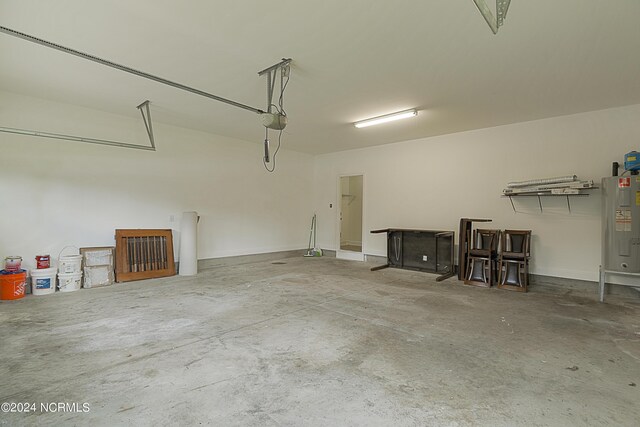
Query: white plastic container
[(69, 282), (43, 281), (70, 264)]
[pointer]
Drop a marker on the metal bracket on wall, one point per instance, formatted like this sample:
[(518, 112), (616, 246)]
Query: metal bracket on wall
[(540, 200), (147, 124)]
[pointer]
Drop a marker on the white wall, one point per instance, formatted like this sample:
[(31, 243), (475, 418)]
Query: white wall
[(431, 183), (57, 193)]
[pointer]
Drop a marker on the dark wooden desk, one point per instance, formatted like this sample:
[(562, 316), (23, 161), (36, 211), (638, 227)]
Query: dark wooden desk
[(430, 251)]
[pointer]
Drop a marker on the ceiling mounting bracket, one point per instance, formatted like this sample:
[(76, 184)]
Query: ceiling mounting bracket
[(271, 73), (51, 135), (147, 120), (276, 120), (283, 63), (494, 22)]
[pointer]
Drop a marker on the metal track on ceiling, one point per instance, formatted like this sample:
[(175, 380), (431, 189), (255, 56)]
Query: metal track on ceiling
[(126, 69)]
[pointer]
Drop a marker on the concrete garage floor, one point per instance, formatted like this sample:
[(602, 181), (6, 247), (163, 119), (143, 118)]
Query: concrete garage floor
[(320, 342)]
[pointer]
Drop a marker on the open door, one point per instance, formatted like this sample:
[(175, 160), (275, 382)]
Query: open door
[(350, 204)]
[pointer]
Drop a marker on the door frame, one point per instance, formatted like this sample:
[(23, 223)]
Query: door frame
[(340, 253)]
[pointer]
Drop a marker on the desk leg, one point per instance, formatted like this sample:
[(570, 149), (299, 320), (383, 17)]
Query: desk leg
[(601, 284), (463, 243), (445, 276), (380, 267)]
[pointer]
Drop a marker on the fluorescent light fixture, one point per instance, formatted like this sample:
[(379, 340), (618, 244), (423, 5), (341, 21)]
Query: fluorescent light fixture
[(386, 118)]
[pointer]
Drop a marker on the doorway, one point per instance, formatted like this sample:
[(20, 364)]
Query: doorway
[(350, 202)]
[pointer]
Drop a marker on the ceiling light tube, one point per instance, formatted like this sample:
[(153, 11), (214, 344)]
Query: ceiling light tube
[(386, 118)]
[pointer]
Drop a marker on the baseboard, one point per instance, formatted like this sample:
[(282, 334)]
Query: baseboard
[(204, 264), (537, 282), (375, 259), (551, 284), (350, 256), (577, 286)]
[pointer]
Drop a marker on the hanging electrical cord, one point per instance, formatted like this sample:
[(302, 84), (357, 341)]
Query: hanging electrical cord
[(275, 153), (285, 76), (283, 87)]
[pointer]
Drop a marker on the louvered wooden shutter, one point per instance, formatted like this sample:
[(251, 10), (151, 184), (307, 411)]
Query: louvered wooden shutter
[(144, 254)]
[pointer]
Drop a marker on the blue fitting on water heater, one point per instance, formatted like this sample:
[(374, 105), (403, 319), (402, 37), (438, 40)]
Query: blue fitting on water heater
[(632, 161)]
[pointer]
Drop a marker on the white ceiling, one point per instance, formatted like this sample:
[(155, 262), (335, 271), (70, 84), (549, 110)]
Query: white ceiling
[(352, 60)]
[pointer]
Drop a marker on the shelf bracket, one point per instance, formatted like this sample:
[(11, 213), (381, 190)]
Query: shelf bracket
[(539, 196)]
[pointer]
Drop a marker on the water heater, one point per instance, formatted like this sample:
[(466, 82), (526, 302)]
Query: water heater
[(621, 223)]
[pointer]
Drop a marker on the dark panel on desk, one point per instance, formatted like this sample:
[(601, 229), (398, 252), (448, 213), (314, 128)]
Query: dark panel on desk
[(415, 246), (445, 263)]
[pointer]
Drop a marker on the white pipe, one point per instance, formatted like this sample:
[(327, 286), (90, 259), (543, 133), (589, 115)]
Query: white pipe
[(560, 179)]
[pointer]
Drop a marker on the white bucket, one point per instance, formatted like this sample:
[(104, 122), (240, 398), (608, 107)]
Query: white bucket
[(43, 281), (69, 263), (69, 282)]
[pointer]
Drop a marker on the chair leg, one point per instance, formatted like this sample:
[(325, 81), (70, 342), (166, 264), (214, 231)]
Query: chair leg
[(484, 271), (493, 265), (525, 272)]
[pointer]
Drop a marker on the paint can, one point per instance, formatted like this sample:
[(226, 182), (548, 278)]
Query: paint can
[(12, 263), (43, 281), (43, 261), (12, 284)]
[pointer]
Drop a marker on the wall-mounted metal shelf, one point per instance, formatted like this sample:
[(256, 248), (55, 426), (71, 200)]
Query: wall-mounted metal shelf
[(546, 194)]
